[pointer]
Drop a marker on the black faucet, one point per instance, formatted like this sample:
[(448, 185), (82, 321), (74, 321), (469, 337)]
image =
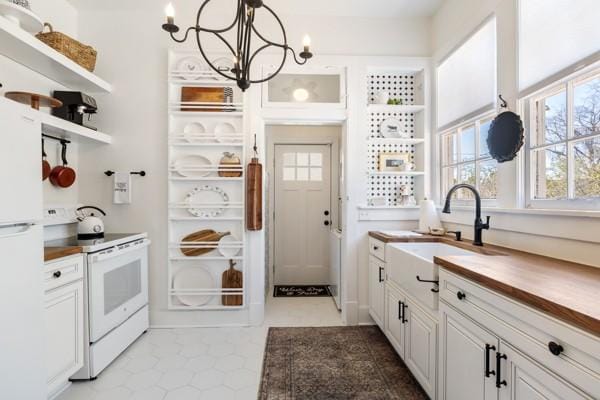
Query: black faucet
[(479, 225)]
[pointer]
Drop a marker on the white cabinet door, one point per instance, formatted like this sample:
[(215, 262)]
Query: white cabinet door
[(523, 379), (395, 319), (420, 348), (63, 334), (467, 358), (377, 291)]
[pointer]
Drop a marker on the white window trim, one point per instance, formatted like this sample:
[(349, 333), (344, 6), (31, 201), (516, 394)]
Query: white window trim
[(527, 170), (457, 129)]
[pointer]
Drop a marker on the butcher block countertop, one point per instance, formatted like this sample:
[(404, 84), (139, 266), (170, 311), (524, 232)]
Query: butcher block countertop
[(563, 289), (54, 253)]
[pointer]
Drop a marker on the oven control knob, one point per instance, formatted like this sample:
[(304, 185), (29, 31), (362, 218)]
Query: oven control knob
[(97, 228)]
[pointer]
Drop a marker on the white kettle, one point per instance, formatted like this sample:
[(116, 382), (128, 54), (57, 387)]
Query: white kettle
[(90, 226)]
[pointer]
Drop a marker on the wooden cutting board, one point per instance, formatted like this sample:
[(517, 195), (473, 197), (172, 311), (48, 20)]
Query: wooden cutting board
[(232, 279), (206, 235), (195, 94)]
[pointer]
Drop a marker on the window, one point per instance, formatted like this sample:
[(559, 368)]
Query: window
[(466, 159), (302, 167), (564, 143)]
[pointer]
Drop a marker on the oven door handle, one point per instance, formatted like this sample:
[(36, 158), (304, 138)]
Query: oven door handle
[(106, 254)]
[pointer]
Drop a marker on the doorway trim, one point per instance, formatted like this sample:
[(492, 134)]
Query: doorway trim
[(273, 139)]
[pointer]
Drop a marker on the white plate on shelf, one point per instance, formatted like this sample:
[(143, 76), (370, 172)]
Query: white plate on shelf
[(21, 16), (189, 68), (193, 131), (196, 277), (182, 164), (228, 251), (207, 194), (225, 65), (391, 128), (224, 132)]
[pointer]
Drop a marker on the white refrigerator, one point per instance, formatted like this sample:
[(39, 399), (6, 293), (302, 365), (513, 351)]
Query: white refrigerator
[(22, 364)]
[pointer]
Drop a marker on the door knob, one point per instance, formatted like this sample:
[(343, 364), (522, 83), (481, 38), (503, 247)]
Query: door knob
[(57, 274), (326, 223), (555, 348), (326, 213)]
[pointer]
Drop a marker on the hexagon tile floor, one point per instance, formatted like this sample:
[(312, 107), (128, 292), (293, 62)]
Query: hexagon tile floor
[(200, 363)]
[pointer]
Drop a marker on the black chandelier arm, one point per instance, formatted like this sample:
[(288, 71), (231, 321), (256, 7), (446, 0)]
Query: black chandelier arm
[(210, 64), (185, 37), (304, 60), (278, 70), (235, 21), (280, 25)]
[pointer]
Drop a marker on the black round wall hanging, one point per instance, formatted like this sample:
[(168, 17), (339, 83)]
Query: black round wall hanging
[(506, 135)]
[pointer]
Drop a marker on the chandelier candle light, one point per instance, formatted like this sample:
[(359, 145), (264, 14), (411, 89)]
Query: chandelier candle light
[(241, 51)]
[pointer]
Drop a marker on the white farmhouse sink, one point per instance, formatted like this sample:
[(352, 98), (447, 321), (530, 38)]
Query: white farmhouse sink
[(409, 260)]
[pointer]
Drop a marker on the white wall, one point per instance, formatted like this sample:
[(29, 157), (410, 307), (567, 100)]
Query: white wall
[(13, 76), (573, 236), (132, 55)]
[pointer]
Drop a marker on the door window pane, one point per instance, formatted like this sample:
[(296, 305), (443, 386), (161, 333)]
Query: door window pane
[(302, 174), (488, 179), (467, 144), (586, 108), (302, 159), (289, 159), (304, 88), (484, 129), (316, 159), (550, 169), (316, 174), (289, 173), (587, 168)]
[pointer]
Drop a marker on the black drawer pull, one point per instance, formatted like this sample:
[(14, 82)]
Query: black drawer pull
[(555, 348), (404, 307), (400, 311), (380, 271), (499, 381), (57, 274), (461, 295), (488, 373), (375, 248)]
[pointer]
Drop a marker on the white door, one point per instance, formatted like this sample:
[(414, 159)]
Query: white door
[(523, 379), (420, 347), (394, 324), (377, 291), (467, 358), (302, 214), (63, 334)]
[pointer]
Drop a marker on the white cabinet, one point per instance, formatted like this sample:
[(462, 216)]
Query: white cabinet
[(466, 358), (63, 316), (420, 346), (395, 320), (377, 291)]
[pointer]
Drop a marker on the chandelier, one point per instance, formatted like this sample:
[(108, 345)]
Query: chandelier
[(241, 50)]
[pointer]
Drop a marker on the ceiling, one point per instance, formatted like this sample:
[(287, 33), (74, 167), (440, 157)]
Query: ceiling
[(332, 8)]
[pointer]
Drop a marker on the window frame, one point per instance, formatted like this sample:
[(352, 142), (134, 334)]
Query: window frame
[(457, 130), (527, 105)]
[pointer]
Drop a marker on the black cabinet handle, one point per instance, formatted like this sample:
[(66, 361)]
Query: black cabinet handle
[(400, 317), (488, 347), (555, 348), (326, 213), (326, 223), (404, 307), (57, 274), (380, 271), (375, 248), (461, 295), (499, 381)]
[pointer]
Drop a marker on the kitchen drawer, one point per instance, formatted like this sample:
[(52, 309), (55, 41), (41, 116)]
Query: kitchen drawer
[(377, 248), (529, 330), (63, 271)]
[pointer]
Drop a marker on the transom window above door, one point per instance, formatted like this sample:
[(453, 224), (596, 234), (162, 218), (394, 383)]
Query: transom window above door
[(465, 158), (303, 167)]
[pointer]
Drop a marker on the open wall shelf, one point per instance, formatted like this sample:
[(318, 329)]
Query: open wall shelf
[(26, 49)]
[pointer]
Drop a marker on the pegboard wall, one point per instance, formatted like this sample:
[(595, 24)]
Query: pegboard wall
[(388, 186), (398, 85)]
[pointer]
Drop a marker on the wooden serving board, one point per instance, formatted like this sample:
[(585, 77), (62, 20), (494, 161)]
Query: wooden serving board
[(232, 279), (208, 236), (195, 94)]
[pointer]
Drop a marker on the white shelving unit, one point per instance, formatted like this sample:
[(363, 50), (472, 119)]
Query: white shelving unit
[(181, 222), (408, 85), (24, 48), (55, 126)]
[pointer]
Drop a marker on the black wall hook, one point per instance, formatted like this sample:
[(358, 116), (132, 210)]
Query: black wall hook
[(140, 173), (503, 103)]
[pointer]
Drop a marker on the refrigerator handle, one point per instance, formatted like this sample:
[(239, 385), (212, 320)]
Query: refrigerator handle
[(24, 229)]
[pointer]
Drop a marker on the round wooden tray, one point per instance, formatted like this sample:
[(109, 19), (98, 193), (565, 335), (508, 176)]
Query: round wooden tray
[(35, 100)]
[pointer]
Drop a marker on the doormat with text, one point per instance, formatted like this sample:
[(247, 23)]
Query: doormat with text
[(301, 291)]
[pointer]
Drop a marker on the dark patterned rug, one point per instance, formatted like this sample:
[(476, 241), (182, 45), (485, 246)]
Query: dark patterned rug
[(301, 291), (339, 363)]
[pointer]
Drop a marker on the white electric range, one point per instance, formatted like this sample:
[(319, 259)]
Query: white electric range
[(115, 296)]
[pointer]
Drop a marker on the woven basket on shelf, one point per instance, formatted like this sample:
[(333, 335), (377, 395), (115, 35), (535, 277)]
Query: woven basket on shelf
[(69, 47)]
